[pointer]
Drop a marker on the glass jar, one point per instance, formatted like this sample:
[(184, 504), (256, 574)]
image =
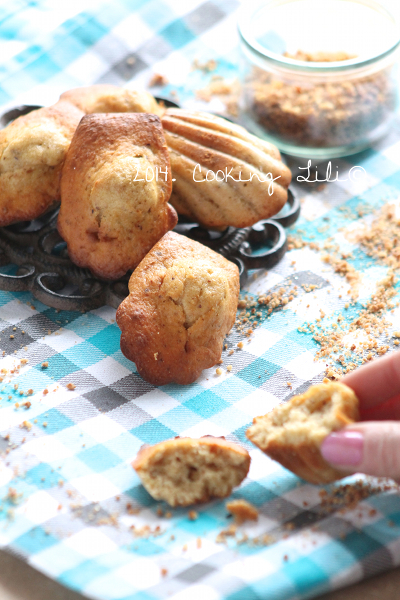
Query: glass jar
[(319, 77)]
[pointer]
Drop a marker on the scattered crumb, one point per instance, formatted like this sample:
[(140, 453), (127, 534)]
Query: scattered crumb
[(13, 496), (242, 511), (158, 80), (206, 67), (227, 92), (345, 497)]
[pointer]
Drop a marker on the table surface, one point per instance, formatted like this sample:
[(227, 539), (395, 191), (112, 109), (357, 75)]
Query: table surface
[(18, 581), (60, 49)]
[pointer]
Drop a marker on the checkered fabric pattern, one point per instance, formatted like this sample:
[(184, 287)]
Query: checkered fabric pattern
[(68, 496)]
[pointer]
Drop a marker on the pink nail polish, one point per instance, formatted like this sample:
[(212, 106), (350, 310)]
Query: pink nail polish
[(343, 448)]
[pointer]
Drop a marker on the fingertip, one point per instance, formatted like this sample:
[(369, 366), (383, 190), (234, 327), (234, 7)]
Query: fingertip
[(343, 448), (380, 444)]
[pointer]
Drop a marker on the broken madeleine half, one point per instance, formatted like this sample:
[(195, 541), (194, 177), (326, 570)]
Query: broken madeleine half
[(292, 433), (185, 471)]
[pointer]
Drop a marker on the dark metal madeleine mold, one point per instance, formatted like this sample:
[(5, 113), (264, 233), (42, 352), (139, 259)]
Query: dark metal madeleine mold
[(16, 112), (238, 244), (45, 269), (167, 102), (290, 212)]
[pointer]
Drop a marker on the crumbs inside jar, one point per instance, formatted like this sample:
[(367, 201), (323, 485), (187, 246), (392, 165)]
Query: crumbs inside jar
[(321, 112)]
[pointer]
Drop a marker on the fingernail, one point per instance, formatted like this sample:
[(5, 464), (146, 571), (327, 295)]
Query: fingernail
[(343, 448)]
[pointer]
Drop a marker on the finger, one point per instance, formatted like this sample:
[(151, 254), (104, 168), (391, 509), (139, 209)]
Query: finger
[(376, 382), (388, 411), (371, 447)]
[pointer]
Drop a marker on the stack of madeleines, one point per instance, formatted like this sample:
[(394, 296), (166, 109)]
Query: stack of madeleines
[(110, 156)]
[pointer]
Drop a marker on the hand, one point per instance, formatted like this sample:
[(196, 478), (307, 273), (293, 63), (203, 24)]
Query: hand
[(371, 446)]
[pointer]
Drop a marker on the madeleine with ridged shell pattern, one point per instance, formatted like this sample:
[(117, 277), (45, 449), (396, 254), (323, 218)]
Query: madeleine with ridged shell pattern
[(222, 174)]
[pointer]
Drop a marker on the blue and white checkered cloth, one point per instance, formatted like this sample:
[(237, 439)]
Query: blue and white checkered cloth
[(70, 503)]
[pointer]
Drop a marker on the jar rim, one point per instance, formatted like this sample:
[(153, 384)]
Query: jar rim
[(246, 14)]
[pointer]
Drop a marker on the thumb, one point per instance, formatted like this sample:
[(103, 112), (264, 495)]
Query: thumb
[(371, 447)]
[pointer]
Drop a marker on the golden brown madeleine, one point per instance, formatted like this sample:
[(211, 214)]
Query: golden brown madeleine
[(182, 302), (32, 152), (209, 157), (115, 186), (111, 99), (184, 471), (292, 433)]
